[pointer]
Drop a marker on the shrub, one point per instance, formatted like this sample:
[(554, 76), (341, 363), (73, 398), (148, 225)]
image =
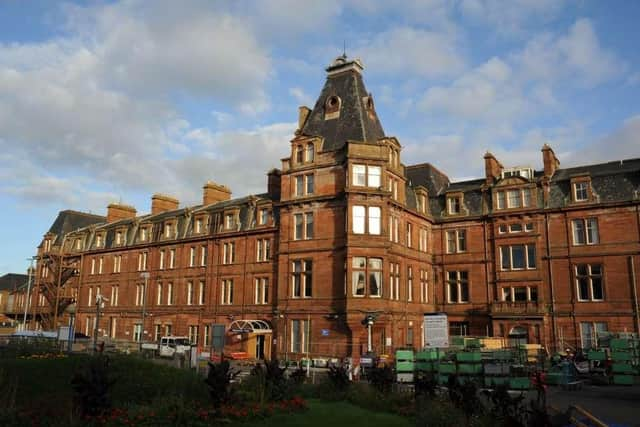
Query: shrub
[(338, 377), (92, 386), (219, 382), (381, 379)]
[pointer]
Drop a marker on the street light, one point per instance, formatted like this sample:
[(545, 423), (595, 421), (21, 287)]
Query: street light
[(71, 309), (100, 299), (145, 275), (26, 299), (368, 321)]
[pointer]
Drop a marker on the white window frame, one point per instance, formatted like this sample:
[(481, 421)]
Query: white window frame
[(261, 291), (189, 293), (590, 276), (456, 241), (304, 220), (226, 292), (370, 270), (424, 286), (585, 231), (201, 292), (461, 278), (454, 205), (579, 188), (528, 247), (302, 275)]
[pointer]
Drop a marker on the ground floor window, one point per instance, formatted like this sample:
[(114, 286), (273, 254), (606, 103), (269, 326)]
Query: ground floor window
[(137, 332), (193, 334), (300, 331), (458, 328), (590, 332)]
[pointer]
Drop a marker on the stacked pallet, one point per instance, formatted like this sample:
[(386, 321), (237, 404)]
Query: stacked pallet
[(624, 352)]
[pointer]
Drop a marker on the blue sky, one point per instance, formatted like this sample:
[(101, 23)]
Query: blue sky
[(115, 101)]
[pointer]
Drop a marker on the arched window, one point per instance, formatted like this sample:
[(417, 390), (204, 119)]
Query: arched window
[(310, 152)]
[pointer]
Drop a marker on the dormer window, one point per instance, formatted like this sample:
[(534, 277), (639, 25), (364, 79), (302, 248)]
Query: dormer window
[(263, 216), (144, 234), (299, 154), (513, 198), (526, 173), (231, 220), (119, 237), (200, 224), (310, 152), (332, 107), (454, 205), (170, 229), (99, 241), (581, 191), (47, 245), (78, 244)]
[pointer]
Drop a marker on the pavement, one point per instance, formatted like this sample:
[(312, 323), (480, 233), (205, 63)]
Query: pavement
[(614, 405)]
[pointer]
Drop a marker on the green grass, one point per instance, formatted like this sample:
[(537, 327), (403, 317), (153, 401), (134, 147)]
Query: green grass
[(334, 414)]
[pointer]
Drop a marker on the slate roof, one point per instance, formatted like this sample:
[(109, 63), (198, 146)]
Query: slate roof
[(354, 123), (11, 281), (246, 221), (70, 220), (617, 181)]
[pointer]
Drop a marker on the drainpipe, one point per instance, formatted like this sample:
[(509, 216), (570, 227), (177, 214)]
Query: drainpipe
[(634, 290), (554, 327)]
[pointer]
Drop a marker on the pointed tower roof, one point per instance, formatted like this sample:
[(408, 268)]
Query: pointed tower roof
[(344, 110)]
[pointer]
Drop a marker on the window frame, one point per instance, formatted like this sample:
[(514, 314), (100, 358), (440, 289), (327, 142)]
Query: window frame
[(373, 268), (589, 277), (527, 257), (460, 282), (302, 278)]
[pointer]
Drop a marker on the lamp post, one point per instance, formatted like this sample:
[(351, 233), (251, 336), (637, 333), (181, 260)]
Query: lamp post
[(369, 320), (145, 276), (26, 299), (99, 301), (71, 309)]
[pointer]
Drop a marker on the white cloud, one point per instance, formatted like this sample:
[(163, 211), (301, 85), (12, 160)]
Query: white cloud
[(97, 103), (577, 57), (486, 92), (301, 96), (410, 51), (622, 143), (509, 18)]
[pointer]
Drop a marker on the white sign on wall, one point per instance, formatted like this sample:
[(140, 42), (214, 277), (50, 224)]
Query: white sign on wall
[(436, 331)]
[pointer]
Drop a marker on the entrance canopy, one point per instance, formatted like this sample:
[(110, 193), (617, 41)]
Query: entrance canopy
[(250, 326)]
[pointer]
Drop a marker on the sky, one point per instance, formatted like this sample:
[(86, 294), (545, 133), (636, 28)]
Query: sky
[(112, 101)]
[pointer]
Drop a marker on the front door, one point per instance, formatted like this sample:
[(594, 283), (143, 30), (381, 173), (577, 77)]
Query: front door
[(260, 347)]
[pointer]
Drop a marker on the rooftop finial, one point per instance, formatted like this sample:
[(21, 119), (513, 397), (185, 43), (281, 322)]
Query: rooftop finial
[(344, 48)]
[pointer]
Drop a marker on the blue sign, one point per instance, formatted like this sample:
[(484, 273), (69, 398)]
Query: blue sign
[(325, 332)]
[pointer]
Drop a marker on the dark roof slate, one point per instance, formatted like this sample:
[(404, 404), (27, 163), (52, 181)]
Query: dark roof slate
[(69, 220), (11, 281), (354, 123)]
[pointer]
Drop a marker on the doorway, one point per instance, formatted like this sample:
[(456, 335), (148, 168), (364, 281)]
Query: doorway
[(260, 347)]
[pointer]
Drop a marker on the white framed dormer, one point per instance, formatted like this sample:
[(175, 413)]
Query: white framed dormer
[(120, 236), (231, 219), (264, 216), (200, 224), (170, 229), (422, 200), (99, 239), (144, 233), (454, 204), (581, 190)]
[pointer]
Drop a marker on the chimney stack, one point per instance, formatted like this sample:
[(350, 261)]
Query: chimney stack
[(162, 203), (117, 211), (550, 161), (303, 115), (273, 183), (492, 168), (214, 193)]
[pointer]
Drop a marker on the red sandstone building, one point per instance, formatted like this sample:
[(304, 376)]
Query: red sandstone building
[(346, 230)]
